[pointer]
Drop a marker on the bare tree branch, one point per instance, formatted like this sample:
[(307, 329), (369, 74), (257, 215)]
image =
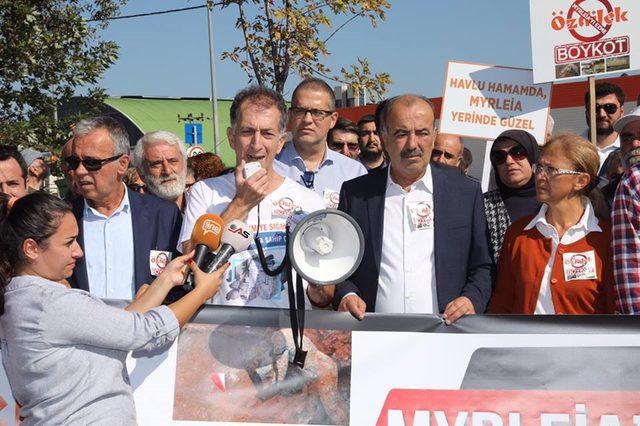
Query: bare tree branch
[(254, 62)]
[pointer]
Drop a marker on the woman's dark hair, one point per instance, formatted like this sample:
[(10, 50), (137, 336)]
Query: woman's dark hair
[(36, 216), (205, 166)]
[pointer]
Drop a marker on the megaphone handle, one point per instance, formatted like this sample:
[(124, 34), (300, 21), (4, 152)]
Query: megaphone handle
[(296, 315)]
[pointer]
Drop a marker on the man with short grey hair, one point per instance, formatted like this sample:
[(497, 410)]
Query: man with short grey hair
[(161, 160), (121, 232)]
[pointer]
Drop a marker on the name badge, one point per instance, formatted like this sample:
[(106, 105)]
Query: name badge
[(331, 198), (421, 213), (579, 266), (158, 260), (283, 207)]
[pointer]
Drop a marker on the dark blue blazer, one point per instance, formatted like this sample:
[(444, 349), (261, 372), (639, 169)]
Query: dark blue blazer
[(461, 250), (156, 226)]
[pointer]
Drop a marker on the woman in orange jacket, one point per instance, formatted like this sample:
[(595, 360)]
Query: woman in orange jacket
[(559, 261)]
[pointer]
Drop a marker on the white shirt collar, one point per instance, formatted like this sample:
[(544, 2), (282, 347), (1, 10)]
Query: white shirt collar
[(588, 223), (123, 207), (425, 182)]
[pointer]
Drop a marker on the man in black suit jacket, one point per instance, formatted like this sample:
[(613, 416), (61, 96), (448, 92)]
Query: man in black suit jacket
[(156, 225), (460, 248), (115, 224)]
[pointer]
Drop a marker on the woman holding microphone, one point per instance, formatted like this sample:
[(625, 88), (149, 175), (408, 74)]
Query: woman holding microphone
[(63, 349), (559, 261)]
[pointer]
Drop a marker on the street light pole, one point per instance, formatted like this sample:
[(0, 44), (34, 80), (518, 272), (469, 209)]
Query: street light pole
[(212, 69)]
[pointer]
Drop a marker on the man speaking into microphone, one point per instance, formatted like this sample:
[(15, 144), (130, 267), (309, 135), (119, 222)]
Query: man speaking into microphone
[(258, 196)]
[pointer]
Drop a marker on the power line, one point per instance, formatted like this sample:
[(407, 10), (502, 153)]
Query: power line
[(160, 12)]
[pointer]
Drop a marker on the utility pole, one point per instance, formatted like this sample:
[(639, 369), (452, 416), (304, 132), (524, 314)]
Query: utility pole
[(212, 69)]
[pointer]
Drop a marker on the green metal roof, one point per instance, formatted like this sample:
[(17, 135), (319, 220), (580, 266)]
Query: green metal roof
[(150, 114)]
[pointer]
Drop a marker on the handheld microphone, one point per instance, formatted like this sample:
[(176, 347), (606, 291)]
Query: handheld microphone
[(235, 237), (206, 235)]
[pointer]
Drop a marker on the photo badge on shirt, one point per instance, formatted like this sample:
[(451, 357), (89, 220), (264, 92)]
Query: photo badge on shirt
[(331, 198), (579, 266), (421, 213), (283, 207), (158, 260)]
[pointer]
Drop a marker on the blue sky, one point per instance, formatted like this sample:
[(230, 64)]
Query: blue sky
[(167, 55)]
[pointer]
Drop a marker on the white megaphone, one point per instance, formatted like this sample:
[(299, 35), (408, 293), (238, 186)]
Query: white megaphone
[(325, 247)]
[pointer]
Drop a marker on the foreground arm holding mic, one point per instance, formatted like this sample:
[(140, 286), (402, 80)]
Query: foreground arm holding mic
[(64, 349)]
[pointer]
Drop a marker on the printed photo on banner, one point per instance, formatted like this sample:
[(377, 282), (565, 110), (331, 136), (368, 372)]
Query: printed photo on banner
[(581, 38), (229, 373)]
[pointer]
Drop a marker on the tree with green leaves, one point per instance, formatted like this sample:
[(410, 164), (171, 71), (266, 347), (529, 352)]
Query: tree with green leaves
[(50, 49), (288, 36)]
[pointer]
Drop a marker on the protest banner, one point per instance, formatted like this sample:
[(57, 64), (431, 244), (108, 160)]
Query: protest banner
[(581, 38), (482, 101), (233, 366)]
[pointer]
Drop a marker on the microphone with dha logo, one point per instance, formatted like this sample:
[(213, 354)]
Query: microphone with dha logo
[(205, 236), (235, 237)]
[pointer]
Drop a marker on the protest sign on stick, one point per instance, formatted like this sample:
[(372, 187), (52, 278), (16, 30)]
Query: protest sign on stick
[(584, 38), (482, 101)]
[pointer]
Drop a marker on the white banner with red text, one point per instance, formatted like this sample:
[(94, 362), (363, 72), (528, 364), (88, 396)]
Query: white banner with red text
[(233, 365)]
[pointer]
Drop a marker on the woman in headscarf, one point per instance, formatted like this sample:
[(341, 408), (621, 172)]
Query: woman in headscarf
[(513, 154)]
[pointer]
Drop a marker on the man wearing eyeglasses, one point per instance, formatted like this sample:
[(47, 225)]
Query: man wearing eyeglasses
[(120, 231), (609, 109), (343, 138), (306, 160), (447, 149)]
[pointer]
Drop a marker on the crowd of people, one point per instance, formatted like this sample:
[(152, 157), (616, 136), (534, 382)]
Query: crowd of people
[(560, 234)]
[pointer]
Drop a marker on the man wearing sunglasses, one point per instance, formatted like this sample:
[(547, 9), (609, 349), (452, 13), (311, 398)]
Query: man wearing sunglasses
[(343, 138), (307, 159), (120, 231), (609, 109), (447, 149)]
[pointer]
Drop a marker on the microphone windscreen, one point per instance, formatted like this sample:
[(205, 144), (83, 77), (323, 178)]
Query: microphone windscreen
[(207, 231), (236, 233)]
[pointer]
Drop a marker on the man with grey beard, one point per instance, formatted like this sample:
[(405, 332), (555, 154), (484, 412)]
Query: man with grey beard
[(161, 160)]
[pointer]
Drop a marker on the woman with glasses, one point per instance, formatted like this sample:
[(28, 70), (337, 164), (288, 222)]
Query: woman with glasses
[(63, 349), (513, 154), (559, 261)]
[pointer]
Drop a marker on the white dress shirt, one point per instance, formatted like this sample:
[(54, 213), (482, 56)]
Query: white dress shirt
[(407, 280), (587, 223), (603, 153), (108, 251)]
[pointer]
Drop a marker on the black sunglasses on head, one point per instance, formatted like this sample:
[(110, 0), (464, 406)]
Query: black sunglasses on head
[(518, 153), (91, 164)]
